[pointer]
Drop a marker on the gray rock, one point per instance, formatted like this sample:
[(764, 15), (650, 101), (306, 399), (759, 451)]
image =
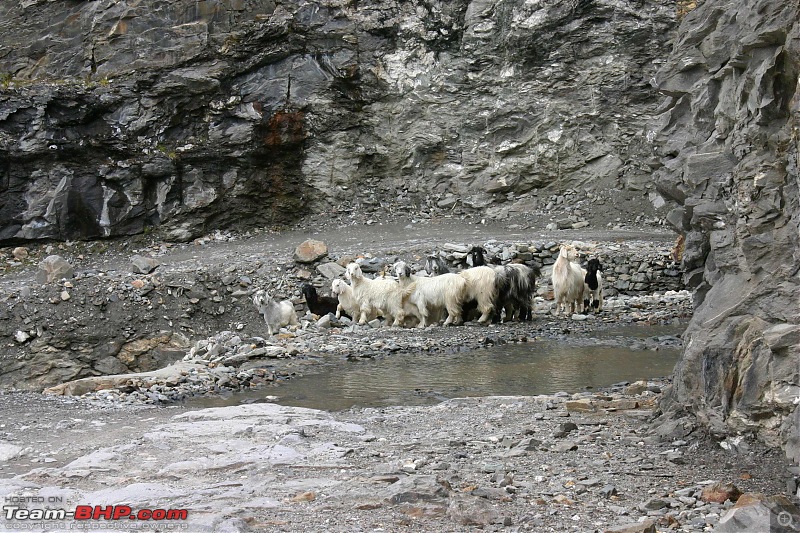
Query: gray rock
[(110, 365), (647, 526), (143, 265), (565, 446), (53, 268), (450, 248), (675, 458), (565, 429), (331, 270), (529, 444), (757, 512), (654, 504), (782, 336), (372, 265), (233, 160), (324, 322), (9, 451), (471, 511), (415, 488), (608, 491)]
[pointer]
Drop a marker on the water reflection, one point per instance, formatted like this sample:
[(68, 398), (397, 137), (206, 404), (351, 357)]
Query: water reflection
[(415, 379), (525, 369)]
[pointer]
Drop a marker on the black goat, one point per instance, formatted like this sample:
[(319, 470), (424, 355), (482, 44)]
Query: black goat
[(516, 287), (319, 305), (593, 290), (477, 256)]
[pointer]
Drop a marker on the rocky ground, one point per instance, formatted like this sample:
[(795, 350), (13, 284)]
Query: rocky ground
[(583, 462)]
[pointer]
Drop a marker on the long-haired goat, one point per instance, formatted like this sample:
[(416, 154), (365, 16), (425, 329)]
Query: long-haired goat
[(481, 287), (567, 280), (348, 305), (431, 295), (516, 287), (477, 256), (319, 305), (276, 314), (593, 286), (435, 265), (381, 294)]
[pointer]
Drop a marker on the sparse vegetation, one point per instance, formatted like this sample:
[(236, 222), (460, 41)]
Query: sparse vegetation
[(172, 154), (5, 79)]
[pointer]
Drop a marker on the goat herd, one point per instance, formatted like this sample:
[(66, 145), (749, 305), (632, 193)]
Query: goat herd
[(488, 292)]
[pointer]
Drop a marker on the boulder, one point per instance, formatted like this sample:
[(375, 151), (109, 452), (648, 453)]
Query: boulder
[(757, 512), (20, 253), (143, 265), (310, 251), (720, 493), (53, 268)]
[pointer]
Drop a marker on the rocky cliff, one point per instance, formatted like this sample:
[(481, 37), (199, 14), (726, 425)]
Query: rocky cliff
[(729, 138), (116, 116)]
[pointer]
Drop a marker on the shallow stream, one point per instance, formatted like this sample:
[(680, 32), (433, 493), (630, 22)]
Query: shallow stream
[(539, 367)]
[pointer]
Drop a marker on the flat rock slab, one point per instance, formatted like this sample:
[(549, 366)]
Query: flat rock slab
[(169, 374), (331, 270), (589, 405), (446, 467), (207, 461), (648, 526)]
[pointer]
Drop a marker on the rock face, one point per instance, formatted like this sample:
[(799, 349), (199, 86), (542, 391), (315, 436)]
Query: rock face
[(116, 116), (729, 140)]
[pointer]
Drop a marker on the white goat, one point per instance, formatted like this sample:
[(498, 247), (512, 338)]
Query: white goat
[(347, 301), (431, 295), (276, 314), (382, 295), (593, 286), (567, 280), (481, 288)]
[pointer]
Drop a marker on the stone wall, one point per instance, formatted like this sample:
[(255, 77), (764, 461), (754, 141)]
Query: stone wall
[(640, 268), (729, 138), (116, 116)]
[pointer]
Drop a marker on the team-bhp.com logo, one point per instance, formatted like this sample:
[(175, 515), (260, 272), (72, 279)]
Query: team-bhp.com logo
[(96, 512), (20, 517)]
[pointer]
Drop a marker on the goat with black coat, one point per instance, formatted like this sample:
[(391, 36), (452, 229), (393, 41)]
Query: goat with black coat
[(319, 305), (516, 287), (593, 289), (477, 257)]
